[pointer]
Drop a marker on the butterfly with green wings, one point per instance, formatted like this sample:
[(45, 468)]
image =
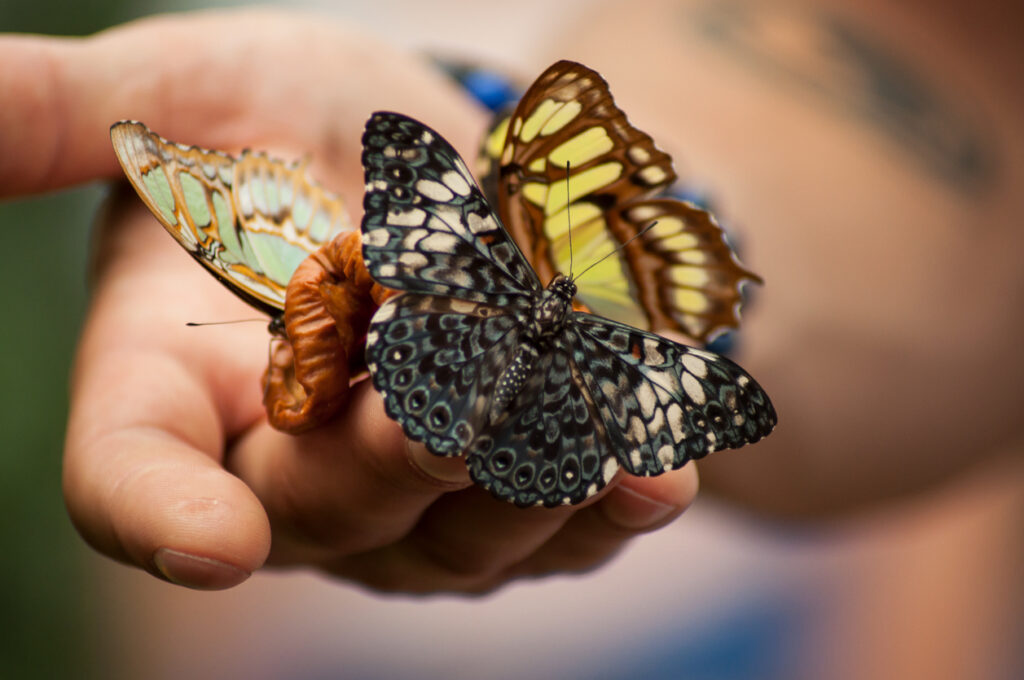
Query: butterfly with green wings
[(250, 221)]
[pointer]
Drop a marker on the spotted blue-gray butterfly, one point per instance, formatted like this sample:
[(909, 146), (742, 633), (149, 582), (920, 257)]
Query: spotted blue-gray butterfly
[(477, 358)]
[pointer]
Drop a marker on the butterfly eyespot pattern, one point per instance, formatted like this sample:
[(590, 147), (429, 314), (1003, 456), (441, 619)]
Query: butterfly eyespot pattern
[(477, 358), (250, 221)]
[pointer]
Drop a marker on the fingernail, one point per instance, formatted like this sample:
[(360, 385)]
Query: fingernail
[(201, 573), (632, 510), (448, 470)]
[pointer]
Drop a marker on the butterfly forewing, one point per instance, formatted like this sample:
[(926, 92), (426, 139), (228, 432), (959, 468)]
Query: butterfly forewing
[(427, 227), (250, 221)]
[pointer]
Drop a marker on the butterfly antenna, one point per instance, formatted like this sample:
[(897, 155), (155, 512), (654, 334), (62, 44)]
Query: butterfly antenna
[(628, 241), (568, 217), (196, 324)]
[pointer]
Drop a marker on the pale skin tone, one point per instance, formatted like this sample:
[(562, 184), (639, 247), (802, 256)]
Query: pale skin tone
[(167, 449), (169, 463)]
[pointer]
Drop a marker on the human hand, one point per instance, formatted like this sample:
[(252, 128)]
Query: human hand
[(169, 462)]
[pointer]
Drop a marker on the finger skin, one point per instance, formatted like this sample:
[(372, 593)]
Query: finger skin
[(150, 412), (291, 83), (347, 487), (491, 549), (636, 506)]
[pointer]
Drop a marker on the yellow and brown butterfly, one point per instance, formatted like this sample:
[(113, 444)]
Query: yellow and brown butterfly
[(679, 275)]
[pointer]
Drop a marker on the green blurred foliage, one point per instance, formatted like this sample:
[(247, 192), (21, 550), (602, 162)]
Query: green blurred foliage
[(47, 609), (43, 593)]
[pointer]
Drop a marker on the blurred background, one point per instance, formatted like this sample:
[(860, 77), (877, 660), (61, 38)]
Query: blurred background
[(927, 588)]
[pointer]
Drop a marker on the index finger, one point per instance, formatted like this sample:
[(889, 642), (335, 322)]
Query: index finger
[(228, 90)]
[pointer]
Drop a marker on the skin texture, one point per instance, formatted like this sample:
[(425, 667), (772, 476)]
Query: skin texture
[(169, 462)]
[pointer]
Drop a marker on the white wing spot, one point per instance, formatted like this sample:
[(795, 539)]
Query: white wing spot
[(435, 191), (460, 279), (481, 223), (461, 168), (413, 217), (611, 466), (667, 456), (693, 389), (637, 431), (456, 182), (377, 238), (645, 397), (412, 238), (439, 242), (448, 218), (695, 365), (675, 422), (384, 313), (413, 260), (652, 353), (656, 421), (666, 381)]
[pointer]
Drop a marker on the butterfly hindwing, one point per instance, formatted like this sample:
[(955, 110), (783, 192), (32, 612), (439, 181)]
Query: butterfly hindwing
[(249, 220), (686, 275), (435, 360), (550, 447), (665, 403)]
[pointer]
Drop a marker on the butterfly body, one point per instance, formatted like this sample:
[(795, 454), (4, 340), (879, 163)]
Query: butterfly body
[(548, 317), (477, 358)]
